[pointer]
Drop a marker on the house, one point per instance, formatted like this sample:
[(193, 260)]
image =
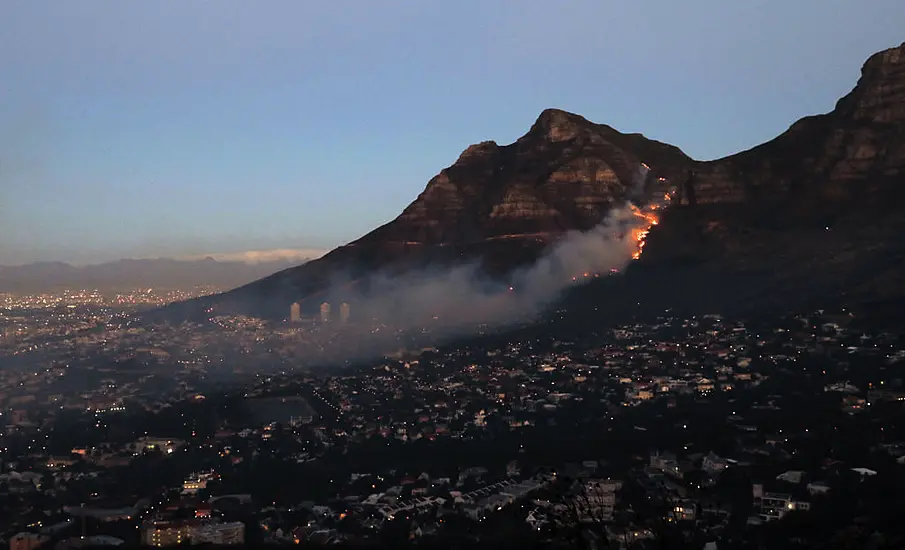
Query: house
[(683, 511), (841, 387), (662, 461), (536, 520), (473, 511), (475, 472), (512, 468), (221, 534), (772, 506), (792, 476), (713, 464), (714, 509), (853, 404)]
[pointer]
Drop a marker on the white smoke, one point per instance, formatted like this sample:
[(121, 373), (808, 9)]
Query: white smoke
[(462, 296)]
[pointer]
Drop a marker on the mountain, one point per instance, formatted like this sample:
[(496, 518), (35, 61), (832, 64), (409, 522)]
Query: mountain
[(822, 158), (810, 214), (130, 274), (498, 205)]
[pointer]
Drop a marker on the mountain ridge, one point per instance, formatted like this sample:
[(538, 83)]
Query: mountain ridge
[(131, 273), (828, 182), (849, 140)]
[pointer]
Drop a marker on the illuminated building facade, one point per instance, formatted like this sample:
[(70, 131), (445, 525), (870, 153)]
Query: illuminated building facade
[(172, 533)]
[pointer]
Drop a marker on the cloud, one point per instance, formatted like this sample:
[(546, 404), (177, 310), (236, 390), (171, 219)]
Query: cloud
[(261, 256)]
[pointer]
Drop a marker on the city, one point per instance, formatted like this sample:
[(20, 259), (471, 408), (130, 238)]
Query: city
[(489, 441), (452, 276)]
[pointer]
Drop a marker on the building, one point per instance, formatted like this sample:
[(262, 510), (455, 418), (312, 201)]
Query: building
[(164, 445), (172, 533), (192, 486), (344, 311), (203, 511), (222, 534), (713, 464), (197, 482), (296, 421), (166, 533), (295, 312), (770, 506), (27, 541), (666, 463), (325, 312), (683, 511), (596, 500), (877, 396)]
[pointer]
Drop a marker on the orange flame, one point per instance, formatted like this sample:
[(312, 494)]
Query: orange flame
[(649, 218)]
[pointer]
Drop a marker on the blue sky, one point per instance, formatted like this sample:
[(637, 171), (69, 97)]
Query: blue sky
[(172, 128)]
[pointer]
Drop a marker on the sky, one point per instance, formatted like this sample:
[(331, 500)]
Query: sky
[(183, 128)]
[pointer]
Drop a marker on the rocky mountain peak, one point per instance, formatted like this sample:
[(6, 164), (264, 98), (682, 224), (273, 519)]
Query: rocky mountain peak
[(880, 94), (558, 125), (477, 151), (564, 174)]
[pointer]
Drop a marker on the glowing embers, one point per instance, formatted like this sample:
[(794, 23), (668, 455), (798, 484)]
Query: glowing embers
[(646, 218), (587, 275)]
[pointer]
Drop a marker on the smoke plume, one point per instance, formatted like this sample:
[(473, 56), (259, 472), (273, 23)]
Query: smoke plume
[(448, 302)]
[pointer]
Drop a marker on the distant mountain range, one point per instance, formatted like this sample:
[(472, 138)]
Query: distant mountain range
[(815, 214), (130, 274)]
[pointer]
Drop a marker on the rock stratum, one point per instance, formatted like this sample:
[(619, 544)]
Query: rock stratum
[(815, 214)]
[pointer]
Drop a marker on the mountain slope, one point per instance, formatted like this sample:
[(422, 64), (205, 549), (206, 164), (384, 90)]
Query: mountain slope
[(498, 205), (819, 206), (813, 215)]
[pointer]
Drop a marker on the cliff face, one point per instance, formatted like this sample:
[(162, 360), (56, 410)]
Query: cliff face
[(823, 157), (815, 212), (824, 199), (565, 173)]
